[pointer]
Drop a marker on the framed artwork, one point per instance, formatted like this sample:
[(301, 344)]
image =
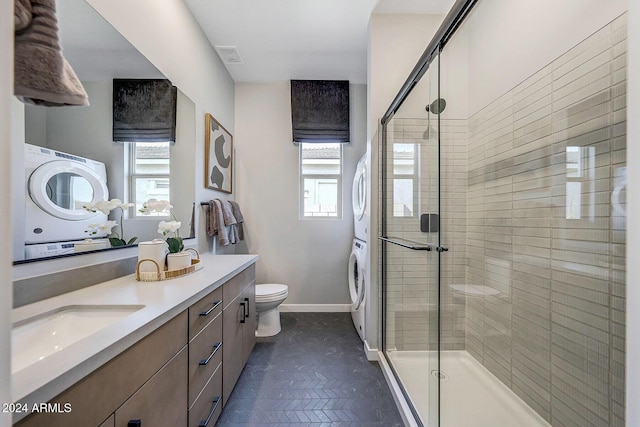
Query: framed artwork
[(218, 156)]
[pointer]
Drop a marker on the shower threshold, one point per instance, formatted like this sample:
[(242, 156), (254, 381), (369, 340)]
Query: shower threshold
[(470, 395)]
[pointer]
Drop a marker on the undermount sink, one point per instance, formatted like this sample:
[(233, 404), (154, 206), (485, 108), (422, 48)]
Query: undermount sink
[(40, 336)]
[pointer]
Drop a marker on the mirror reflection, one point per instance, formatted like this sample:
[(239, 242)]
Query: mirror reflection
[(71, 160)]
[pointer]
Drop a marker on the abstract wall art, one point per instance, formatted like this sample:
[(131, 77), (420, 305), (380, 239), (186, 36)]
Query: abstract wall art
[(218, 156)]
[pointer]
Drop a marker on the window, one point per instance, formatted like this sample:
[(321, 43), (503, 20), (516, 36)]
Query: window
[(320, 180), (149, 173), (405, 176)]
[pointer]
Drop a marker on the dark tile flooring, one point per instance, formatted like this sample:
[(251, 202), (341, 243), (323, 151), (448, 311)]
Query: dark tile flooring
[(313, 373)]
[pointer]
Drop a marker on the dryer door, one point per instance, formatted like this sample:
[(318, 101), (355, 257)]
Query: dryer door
[(62, 187), (356, 280), (359, 191)]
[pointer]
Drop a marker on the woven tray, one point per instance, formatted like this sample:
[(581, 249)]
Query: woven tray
[(162, 274)]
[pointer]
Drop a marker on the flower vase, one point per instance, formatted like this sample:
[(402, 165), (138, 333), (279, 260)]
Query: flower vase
[(178, 260)]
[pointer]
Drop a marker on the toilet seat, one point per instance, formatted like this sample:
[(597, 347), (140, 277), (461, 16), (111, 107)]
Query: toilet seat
[(271, 291)]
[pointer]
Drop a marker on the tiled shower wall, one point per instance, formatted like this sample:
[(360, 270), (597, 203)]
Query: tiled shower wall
[(545, 230)]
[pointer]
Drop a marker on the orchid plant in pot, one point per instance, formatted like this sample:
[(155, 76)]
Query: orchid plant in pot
[(176, 258), (106, 206), (174, 243)]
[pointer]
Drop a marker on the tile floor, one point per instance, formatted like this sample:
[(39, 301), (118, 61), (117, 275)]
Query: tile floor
[(313, 373)]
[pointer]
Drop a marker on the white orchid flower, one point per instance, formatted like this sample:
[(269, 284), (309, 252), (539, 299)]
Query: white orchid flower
[(106, 206), (164, 227), (153, 205), (123, 206), (104, 228)]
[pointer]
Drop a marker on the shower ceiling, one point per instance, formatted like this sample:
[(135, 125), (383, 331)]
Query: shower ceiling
[(280, 40)]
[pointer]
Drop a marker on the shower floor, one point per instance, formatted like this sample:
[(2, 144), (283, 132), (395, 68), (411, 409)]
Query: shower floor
[(470, 395)]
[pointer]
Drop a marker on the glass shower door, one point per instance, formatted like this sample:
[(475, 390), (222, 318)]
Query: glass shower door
[(410, 246)]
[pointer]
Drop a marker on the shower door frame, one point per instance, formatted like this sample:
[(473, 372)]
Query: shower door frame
[(434, 382), (452, 21)]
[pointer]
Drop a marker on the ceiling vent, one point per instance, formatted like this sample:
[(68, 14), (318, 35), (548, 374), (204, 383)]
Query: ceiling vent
[(229, 54)]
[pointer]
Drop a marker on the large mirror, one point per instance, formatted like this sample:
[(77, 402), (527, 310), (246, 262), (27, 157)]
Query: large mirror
[(98, 54)]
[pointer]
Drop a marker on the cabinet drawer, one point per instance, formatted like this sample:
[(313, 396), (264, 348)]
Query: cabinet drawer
[(201, 313), (162, 401), (209, 404), (235, 286), (205, 354)]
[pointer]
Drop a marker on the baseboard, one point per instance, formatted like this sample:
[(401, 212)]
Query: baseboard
[(371, 353), (316, 308), (398, 397)]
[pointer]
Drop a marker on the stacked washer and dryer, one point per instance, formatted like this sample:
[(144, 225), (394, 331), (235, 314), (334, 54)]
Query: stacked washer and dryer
[(358, 258)]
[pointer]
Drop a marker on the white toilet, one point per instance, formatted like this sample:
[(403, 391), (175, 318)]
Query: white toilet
[(268, 297)]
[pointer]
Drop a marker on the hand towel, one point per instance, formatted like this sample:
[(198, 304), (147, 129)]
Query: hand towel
[(42, 75), (239, 218), (230, 221), (215, 222), (210, 220)]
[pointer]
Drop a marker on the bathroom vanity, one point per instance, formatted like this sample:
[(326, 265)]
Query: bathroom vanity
[(171, 357)]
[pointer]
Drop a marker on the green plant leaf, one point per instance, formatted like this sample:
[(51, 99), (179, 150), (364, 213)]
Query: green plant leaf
[(175, 244), (133, 239), (117, 242)]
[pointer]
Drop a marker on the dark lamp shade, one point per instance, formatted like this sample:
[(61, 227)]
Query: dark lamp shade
[(320, 110), (144, 110)]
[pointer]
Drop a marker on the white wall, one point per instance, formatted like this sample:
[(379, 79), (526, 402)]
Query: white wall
[(310, 256), (510, 40), (169, 37), (395, 45), (6, 150), (633, 214)]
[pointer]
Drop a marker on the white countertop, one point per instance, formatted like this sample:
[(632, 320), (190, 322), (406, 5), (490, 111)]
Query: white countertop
[(43, 380)]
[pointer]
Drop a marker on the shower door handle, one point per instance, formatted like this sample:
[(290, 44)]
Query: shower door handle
[(442, 249), (409, 244)]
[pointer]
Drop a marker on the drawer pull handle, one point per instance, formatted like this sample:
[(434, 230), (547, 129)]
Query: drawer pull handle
[(134, 423), (246, 308), (216, 347), (244, 311), (216, 401), (208, 312)]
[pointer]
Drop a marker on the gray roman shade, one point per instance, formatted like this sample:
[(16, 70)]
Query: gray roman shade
[(320, 110), (144, 110)]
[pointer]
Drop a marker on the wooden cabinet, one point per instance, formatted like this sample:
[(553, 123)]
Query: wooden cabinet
[(179, 375), (226, 341), (239, 327), (101, 393)]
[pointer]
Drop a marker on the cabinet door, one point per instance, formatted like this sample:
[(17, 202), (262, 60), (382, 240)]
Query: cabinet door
[(233, 318), (162, 401), (249, 326)]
